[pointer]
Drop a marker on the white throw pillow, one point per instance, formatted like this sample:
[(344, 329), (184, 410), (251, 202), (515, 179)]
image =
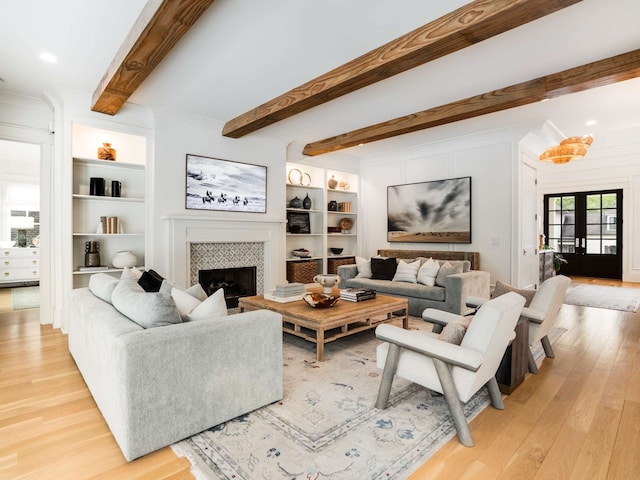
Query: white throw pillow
[(197, 291), (131, 272), (185, 302), (102, 285), (214, 306), (406, 272), (428, 272), (364, 267)]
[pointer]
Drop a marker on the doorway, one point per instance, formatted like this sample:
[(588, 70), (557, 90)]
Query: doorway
[(19, 223), (586, 229)]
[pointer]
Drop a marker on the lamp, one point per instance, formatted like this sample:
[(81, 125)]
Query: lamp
[(22, 224), (585, 140), (571, 148)]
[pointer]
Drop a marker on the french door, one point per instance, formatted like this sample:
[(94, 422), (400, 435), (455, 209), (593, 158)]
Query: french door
[(586, 228)]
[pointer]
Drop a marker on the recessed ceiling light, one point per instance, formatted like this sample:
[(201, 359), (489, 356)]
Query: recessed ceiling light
[(48, 57), (588, 123)]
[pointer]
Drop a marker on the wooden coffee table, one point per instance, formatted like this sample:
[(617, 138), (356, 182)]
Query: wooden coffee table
[(324, 325)]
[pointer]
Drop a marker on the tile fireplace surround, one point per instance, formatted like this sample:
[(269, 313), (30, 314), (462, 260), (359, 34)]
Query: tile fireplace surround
[(202, 243), (206, 256)]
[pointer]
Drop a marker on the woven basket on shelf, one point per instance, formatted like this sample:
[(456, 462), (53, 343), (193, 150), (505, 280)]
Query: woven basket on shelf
[(334, 263), (302, 272)]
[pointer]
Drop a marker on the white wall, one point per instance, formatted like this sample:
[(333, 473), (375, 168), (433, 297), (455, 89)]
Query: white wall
[(178, 134), (611, 165), (489, 158)]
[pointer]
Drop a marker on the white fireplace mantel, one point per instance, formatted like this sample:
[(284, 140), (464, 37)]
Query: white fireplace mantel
[(187, 229)]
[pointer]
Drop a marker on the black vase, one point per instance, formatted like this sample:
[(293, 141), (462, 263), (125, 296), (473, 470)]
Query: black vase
[(92, 254), (116, 188), (306, 203), (96, 186)]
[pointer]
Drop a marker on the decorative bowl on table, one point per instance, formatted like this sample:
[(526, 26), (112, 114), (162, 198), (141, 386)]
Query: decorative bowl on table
[(320, 300), (336, 251), (301, 252)]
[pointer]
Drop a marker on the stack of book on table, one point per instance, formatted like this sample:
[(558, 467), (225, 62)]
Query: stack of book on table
[(287, 292), (357, 294)]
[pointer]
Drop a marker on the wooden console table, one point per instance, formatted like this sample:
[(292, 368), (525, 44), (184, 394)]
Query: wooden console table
[(324, 325)]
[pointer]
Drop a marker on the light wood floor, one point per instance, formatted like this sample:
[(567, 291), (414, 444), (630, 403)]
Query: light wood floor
[(578, 419)]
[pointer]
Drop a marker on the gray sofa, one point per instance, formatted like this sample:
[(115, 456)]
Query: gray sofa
[(159, 385), (450, 298)]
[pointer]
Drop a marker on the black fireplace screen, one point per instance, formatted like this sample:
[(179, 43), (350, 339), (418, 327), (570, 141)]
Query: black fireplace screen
[(236, 283)]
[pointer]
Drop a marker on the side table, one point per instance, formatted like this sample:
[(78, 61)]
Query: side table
[(514, 365)]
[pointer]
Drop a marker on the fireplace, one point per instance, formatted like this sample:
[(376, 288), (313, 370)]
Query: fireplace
[(236, 282), (227, 256)]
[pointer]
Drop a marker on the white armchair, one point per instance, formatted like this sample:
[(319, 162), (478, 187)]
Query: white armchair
[(541, 314), (456, 371)]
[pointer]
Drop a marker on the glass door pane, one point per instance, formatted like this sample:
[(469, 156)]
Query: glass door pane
[(561, 223)]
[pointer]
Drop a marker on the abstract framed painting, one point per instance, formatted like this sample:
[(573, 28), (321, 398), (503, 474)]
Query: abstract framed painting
[(437, 211), (224, 185)]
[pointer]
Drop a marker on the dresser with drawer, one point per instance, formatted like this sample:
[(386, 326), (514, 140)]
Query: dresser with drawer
[(19, 265)]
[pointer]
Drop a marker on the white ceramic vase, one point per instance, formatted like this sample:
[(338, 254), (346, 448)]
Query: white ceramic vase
[(327, 282), (124, 258)]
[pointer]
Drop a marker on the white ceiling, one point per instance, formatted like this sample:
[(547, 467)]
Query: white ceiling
[(242, 53)]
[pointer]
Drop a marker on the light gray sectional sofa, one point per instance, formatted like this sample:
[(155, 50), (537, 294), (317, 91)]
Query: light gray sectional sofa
[(156, 386), (451, 297)]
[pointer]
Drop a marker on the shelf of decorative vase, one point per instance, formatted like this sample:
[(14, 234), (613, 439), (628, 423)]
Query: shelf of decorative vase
[(125, 170)]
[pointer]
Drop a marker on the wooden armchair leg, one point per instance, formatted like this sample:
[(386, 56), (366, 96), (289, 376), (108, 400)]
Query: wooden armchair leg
[(546, 345), (533, 368), (390, 367), (494, 394), (453, 401)]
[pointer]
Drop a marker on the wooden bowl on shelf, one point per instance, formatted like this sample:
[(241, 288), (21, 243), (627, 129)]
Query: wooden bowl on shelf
[(346, 223)]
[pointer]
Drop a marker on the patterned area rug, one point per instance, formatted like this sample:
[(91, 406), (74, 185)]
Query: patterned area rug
[(600, 296), (25, 297), (326, 426)]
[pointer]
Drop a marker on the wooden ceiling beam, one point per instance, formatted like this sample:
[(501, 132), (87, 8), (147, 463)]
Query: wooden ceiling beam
[(161, 24), (459, 29), (597, 74)]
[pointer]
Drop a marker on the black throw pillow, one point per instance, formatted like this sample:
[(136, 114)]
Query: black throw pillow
[(150, 281), (383, 268)]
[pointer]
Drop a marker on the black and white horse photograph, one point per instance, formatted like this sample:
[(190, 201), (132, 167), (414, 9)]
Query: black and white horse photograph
[(216, 184)]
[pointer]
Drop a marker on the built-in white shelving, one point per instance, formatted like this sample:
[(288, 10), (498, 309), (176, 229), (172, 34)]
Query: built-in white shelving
[(129, 207), (320, 240)]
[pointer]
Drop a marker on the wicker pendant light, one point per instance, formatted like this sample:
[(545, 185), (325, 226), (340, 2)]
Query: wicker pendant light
[(571, 148)]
